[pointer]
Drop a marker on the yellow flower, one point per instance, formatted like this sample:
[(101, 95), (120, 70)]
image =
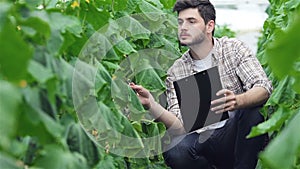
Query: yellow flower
[(75, 4), (23, 83), (88, 1)]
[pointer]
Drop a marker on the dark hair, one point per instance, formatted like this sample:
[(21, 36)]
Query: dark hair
[(205, 8)]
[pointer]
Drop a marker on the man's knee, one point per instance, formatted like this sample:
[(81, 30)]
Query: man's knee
[(184, 156), (250, 116), (178, 155)]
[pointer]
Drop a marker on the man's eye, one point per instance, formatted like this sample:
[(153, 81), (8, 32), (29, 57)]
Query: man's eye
[(192, 21)]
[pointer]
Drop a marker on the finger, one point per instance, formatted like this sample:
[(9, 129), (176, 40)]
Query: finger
[(230, 104), (136, 87), (224, 92), (221, 92), (225, 109), (226, 98), (219, 101), (217, 108), (140, 90)]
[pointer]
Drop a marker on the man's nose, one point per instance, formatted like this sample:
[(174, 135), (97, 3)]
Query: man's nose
[(184, 26)]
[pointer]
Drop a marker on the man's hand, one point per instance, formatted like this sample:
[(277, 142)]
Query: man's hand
[(226, 103), (144, 95), (256, 96), (157, 111)]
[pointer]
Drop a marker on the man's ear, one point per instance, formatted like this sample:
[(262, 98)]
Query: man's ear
[(210, 26)]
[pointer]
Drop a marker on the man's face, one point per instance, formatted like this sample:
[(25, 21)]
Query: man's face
[(191, 27)]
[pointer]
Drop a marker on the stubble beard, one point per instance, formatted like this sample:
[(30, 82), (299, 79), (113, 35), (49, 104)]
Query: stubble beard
[(195, 41)]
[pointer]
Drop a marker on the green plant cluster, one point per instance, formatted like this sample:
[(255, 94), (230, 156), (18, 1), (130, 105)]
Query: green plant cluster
[(43, 47), (65, 64), (280, 55)]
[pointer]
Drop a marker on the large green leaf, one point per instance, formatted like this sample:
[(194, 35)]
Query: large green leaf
[(36, 121), (15, 53), (55, 29), (283, 151), (78, 141), (283, 93), (59, 24), (95, 13), (98, 47), (275, 123), (285, 50), (55, 157), (132, 27), (10, 99), (152, 12), (126, 100)]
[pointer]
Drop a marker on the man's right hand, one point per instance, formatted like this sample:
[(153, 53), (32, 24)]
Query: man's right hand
[(144, 95), (157, 111)]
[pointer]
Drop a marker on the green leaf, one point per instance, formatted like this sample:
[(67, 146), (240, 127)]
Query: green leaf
[(283, 93), (131, 5), (78, 141), (33, 4), (8, 162), (110, 66), (285, 50), (150, 11), (98, 47), (273, 124), (107, 162), (10, 98), (285, 146), (55, 157), (36, 28), (39, 72), (125, 47), (89, 11), (113, 129), (152, 139), (59, 24), (156, 3), (168, 4), (4, 10), (126, 99), (83, 82), (118, 5), (15, 53), (150, 80), (37, 122), (65, 23), (136, 108)]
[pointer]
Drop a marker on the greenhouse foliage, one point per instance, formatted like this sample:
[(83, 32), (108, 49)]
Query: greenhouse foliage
[(65, 64)]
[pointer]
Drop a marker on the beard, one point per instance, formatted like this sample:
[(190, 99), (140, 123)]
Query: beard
[(195, 40)]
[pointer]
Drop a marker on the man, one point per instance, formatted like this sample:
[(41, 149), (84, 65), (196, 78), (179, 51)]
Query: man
[(246, 88)]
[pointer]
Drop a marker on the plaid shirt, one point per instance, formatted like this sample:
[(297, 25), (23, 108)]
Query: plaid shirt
[(239, 70)]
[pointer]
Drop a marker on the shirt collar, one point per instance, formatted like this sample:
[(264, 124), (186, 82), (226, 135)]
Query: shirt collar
[(188, 58)]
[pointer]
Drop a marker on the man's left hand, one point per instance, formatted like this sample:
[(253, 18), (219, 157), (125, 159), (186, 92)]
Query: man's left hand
[(226, 103)]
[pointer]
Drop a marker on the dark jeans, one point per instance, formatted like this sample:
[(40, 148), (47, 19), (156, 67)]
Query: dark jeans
[(226, 147)]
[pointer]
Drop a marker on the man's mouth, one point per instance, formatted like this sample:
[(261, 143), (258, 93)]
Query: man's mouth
[(184, 35)]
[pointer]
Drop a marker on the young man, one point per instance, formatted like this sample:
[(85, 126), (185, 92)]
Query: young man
[(246, 89)]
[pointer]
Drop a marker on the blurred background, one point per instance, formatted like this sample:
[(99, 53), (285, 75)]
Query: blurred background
[(244, 17)]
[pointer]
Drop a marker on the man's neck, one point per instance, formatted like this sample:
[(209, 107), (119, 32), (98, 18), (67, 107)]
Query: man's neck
[(200, 51)]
